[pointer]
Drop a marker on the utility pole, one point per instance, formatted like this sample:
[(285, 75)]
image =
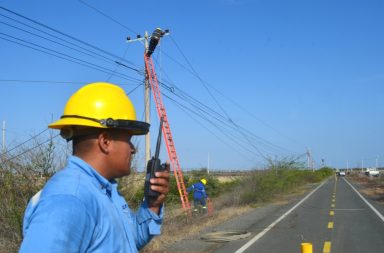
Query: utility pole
[(3, 139), (362, 164), (310, 163), (208, 164), (147, 99), (147, 106)]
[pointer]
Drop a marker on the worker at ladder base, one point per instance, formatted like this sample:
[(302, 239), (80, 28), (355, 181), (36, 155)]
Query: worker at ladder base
[(79, 209), (199, 195)]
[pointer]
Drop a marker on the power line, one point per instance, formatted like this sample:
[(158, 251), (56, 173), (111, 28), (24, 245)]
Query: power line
[(33, 137), (112, 72), (66, 35), (58, 43), (186, 97), (199, 105), (108, 17), (214, 98), (134, 88), (226, 97), (185, 109), (61, 55), (26, 151), (118, 64), (49, 82), (201, 80), (88, 52), (202, 111), (140, 84), (91, 53)]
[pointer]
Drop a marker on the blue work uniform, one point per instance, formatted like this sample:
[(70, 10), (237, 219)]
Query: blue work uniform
[(199, 194), (78, 210)]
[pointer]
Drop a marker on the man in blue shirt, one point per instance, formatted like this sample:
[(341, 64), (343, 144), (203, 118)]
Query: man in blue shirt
[(79, 209), (199, 195)]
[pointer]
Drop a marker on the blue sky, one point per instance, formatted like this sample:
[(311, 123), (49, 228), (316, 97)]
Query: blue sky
[(297, 74)]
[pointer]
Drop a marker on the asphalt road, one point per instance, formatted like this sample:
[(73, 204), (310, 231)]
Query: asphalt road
[(334, 218)]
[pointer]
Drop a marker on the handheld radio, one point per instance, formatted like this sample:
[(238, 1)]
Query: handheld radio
[(154, 165)]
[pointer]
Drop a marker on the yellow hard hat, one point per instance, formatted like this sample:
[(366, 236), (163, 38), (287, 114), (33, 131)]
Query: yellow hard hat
[(100, 105), (204, 181)]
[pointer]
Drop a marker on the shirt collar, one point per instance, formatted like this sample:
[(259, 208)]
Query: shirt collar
[(100, 181)]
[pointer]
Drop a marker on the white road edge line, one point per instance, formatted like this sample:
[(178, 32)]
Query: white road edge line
[(259, 235), (366, 201)]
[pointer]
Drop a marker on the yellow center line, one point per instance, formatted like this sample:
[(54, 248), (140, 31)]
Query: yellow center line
[(327, 244), (327, 247)]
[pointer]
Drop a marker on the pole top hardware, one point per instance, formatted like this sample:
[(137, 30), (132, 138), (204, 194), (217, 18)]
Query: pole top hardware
[(140, 38)]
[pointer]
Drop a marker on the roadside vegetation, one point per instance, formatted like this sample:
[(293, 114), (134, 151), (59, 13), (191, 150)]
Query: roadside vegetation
[(236, 196), (24, 173)]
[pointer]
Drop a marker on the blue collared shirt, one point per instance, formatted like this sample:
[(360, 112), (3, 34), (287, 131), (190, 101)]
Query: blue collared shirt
[(198, 190), (78, 210)]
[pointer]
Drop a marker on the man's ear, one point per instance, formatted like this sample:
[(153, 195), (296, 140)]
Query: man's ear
[(104, 141)]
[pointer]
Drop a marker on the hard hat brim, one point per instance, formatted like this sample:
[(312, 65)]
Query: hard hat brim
[(133, 127)]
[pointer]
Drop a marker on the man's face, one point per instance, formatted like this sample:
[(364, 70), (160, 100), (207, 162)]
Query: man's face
[(121, 153)]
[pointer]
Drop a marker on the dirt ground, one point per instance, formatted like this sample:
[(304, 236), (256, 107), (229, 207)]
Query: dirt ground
[(372, 187)]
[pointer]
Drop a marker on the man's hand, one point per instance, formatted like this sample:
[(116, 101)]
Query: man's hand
[(160, 184)]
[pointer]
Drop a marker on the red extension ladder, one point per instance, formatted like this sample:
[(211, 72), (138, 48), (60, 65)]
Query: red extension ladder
[(161, 112)]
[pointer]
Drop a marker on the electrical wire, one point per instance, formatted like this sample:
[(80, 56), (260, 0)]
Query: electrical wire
[(194, 73), (47, 82), (97, 56), (67, 36), (171, 89), (219, 121), (194, 102), (107, 16), (62, 55), (91, 53), (111, 72), (200, 106), (201, 80), (214, 98), (118, 64), (128, 93), (218, 126), (190, 111), (240, 130), (140, 84), (21, 144), (26, 151)]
